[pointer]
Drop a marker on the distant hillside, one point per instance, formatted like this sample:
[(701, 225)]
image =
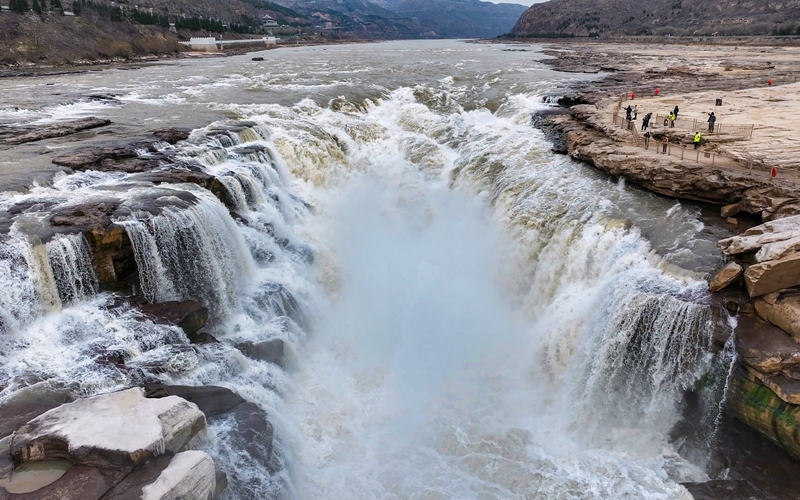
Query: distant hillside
[(459, 18), (59, 32), (659, 17), (360, 18)]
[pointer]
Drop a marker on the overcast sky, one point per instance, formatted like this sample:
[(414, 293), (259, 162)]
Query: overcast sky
[(523, 2)]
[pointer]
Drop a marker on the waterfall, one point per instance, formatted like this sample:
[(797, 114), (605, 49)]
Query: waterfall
[(19, 302), (71, 261), (191, 253)]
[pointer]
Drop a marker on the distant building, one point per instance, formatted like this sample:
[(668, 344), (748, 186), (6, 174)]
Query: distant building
[(268, 22)]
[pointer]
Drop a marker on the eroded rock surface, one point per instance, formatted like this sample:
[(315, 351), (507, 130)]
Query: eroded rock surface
[(271, 351), (725, 276), (782, 310), (119, 429), (765, 347), (189, 315), (771, 276), (58, 130), (189, 476), (784, 387)]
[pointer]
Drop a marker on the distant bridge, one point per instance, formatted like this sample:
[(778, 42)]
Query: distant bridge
[(211, 44)]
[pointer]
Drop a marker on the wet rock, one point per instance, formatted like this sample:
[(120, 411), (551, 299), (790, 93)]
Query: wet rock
[(258, 59), (729, 210), (782, 310), (725, 276), (171, 359), (79, 482), (92, 156), (222, 483), (773, 275), (270, 351), (765, 347), (96, 214), (254, 433), (721, 489), (172, 135), (201, 338), (211, 400), (786, 388), (26, 406), (58, 130), (119, 429), (187, 173), (760, 408), (189, 476), (131, 486), (252, 430), (189, 315)]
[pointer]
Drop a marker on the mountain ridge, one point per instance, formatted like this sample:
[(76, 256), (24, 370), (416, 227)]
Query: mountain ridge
[(557, 18)]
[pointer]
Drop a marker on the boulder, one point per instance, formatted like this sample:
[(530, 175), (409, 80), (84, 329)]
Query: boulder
[(189, 315), (189, 476), (118, 429), (254, 433), (270, 351), (251, 431), (760, 408), (729, 210), (172, 135), (764, 347), (769, 233), (130, 487), (782, 310), (784, 387), (58, 130), (725, 276), (211, 400), (773, 275)]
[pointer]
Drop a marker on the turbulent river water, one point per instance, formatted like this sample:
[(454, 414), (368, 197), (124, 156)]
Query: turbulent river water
[(467, 315)]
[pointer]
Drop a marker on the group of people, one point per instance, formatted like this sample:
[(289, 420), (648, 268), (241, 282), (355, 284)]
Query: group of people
[(632, 113)]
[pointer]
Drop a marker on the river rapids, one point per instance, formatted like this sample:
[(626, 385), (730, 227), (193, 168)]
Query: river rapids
[(467, 315)]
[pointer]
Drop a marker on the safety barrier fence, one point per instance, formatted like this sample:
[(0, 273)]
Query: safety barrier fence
[(743, 131), (690, 153)]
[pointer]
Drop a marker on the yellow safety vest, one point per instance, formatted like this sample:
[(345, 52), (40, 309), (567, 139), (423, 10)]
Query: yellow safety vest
[(697, 137)]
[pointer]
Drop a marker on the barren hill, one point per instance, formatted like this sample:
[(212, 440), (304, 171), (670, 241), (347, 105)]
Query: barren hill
[(659, 17)]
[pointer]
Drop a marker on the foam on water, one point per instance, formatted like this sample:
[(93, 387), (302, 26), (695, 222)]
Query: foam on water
[(455, 363)]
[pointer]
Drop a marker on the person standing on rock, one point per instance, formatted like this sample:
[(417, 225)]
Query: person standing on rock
[(672, 118), (646, 121), (665, 142), (712, 120), (628, 112), (697, 139), (676, 111), (647, 140)]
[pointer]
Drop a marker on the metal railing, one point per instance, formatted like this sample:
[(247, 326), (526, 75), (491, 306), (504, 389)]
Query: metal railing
[(743, 131), (682, 151)]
